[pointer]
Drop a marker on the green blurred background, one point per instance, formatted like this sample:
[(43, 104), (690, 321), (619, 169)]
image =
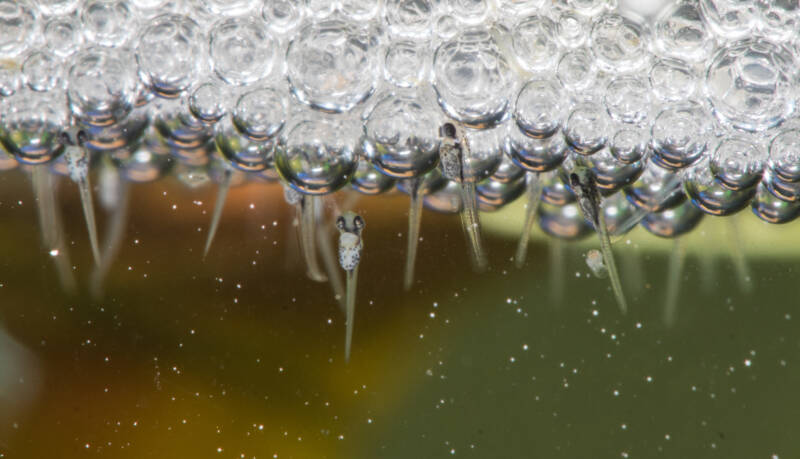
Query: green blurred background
[(241, 356)]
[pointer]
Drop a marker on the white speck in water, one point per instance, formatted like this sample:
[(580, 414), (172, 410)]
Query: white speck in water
[(369, 420), (595, 312), (54, 253), (667, 437), (747, 362), (524, 347), (616, 393)]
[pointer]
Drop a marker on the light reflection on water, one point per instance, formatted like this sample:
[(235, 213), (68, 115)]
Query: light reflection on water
[(240, 355)]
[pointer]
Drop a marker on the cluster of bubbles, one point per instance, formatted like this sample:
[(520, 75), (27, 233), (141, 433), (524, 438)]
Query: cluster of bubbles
[(688, 111)]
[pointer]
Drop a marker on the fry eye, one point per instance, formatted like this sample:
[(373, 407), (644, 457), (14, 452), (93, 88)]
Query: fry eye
[(64, 139), (340, 223), (448, 130), (574, 180), (82, 137), (359, 222)]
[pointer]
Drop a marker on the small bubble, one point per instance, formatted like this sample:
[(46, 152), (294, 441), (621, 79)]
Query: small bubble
[(747, 362)]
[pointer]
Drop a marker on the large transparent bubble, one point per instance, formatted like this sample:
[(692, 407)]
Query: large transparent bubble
[(619, 44), (738, 162), (318, 155), (102, 85), (784, 155), (17, 27), (587, 127), (778, 19), (729, 19), (401, 137), (656, 189), (473, 79), (282, 16), (62, 35), (611, 173), (629, 143), (261, 113), (680, 135), (771, 208), (31, 124), (680, 32), (241, 50), (540, 108), (406, 63), (751, 84), (672, 80), (571, 29), (42, 71), (333, 65), (171, 54), (534, 43), (576, 70), (208, 102), (107, 23), (564, 222), (243, 152), (627, 99), (675, 222), (410, 18), (712, 196), (535, 155)]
